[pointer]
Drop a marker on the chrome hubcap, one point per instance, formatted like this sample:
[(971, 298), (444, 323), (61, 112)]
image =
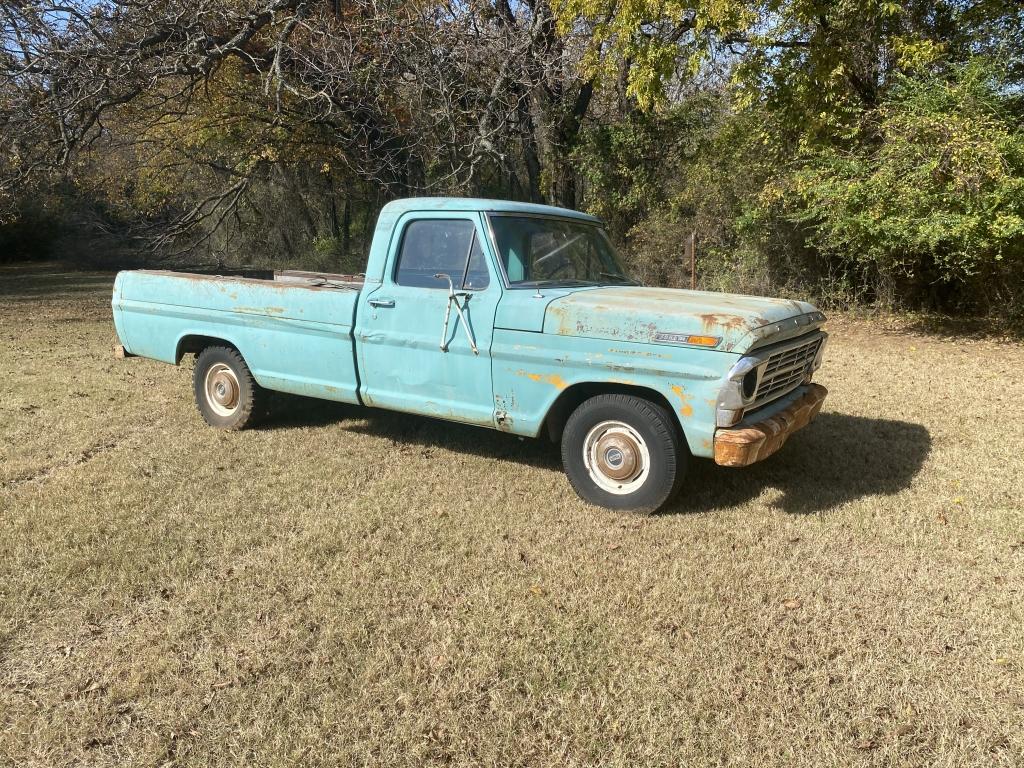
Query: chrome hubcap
[(222, 389), (616, 457)]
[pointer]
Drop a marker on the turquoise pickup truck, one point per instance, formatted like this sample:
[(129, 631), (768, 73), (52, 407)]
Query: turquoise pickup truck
[(510, 316)]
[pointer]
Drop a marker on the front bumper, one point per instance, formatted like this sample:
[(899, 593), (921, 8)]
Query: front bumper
[(743, 445)]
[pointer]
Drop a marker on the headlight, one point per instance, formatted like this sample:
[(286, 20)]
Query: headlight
[(739, 390), (741, 383), (750, 384)]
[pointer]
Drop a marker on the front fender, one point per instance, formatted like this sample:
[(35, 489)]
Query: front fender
[(532, 370)]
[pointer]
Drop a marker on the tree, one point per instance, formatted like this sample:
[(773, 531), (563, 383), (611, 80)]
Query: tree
[(938, 201), (408, 97)]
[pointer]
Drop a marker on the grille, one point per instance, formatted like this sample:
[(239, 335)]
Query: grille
[(786, 369)]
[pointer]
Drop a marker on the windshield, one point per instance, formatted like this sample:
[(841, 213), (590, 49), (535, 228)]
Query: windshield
[(540, 251)]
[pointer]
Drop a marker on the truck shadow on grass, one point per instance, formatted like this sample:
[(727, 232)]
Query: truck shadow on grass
[(835, 460), (292, 412)]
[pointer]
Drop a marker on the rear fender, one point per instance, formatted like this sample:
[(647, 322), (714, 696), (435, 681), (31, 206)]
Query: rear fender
[(194, 343)]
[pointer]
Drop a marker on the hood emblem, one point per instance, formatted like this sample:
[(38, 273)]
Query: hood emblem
[(685, 338)]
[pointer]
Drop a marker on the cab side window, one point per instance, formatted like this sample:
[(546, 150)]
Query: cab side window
[(441, 246)]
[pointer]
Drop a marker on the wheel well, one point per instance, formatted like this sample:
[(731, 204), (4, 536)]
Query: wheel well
[(195, 343), (572, 397)]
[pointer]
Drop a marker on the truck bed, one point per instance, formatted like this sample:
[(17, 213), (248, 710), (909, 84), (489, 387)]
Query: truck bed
[(298, 276), (293, 328), (329, 279)]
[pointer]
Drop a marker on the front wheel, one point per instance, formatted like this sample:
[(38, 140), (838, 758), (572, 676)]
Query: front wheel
[(623, 452)]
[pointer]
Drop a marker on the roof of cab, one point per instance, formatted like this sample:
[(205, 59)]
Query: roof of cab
[(413, 204)]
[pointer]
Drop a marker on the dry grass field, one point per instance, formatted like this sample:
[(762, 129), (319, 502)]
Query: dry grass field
[(345, 587)]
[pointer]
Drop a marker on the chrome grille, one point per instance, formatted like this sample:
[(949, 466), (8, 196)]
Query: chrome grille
[(786, 369)]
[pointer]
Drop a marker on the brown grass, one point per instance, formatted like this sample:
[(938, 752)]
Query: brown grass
[(347, 587)]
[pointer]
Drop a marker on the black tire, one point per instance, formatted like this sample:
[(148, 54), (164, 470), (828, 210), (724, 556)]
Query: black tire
[(587, 433), (227, 395)]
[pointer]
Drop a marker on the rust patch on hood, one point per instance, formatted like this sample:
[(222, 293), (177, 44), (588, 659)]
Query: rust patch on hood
[(713, 320)]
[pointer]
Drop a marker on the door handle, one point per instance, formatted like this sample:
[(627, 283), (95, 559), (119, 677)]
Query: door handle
[(385, 303)]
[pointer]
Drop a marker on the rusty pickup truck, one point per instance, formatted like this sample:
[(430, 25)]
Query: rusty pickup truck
[(505, 315)]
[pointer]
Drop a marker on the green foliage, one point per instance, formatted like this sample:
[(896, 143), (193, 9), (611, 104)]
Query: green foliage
[(852, 151), (694, 167), (329, 254), (938, 198), (625, 164), (865, 151), (707, 196)]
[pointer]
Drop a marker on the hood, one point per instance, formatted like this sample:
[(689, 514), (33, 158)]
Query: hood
[(668, 316)]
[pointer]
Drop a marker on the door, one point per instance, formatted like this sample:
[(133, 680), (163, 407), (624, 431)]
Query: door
[(410, 359)]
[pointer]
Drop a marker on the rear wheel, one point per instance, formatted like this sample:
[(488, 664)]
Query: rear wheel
[(623, 452), (227, 395)]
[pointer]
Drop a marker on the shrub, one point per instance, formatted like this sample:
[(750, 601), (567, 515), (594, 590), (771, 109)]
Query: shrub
[(933, 203)]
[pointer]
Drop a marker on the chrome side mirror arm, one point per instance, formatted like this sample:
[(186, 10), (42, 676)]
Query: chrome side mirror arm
[(453, 299)]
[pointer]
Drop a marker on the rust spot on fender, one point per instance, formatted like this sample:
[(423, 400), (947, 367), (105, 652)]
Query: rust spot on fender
[(685, 409), (551, 378)]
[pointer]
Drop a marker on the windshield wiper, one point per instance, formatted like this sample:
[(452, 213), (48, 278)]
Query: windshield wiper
[(621, 278), (567, 281)]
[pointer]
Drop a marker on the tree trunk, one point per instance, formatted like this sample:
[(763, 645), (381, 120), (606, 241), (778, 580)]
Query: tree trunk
[(335, 230), (346, 228)]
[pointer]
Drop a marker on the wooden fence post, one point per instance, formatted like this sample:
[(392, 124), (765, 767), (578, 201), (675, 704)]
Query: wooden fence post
[(691, 248)]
